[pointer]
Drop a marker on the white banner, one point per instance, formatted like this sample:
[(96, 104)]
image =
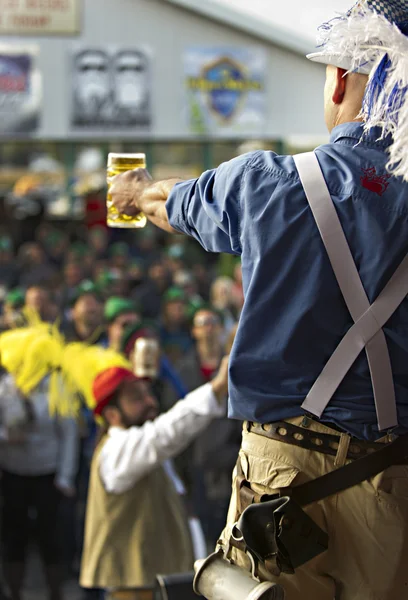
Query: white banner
[(36, 17)]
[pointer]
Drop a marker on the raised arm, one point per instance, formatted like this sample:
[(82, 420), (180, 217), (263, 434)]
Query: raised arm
[(129, 454)]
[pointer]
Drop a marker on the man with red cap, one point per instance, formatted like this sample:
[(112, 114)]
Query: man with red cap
[(136, 526)]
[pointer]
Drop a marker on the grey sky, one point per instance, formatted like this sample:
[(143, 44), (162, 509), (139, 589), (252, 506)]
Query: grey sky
[(300, 16)]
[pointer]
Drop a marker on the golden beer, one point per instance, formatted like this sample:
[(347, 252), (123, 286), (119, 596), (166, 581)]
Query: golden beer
[(120, 163)]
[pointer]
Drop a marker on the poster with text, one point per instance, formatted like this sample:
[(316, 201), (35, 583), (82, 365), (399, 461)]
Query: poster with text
[(111, 88), (39, 17), (20, 90), (225, 90)]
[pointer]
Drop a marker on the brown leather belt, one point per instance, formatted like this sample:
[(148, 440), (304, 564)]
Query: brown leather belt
[(312, 440)]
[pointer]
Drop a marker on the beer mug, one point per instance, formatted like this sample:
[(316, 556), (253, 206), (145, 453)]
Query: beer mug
[(120, 163), (146, 357)]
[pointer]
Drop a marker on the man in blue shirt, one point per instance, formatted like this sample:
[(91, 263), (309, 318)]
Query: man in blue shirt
[(295, 314)]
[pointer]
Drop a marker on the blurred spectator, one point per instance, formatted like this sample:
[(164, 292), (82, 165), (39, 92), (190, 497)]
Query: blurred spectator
[(150, 294), (73, 274), (135, 274), (119, 255), (87, 319), (38, 301), (203, 279), (77, 252), (175, 255), (112, 282), (147, 246), (119, 314), (8, 268), (174, 331), (98, 241), (42, 232), (222, 298), (185, 281), (56, 244), (35, 268), (213, 454), (38, 458)]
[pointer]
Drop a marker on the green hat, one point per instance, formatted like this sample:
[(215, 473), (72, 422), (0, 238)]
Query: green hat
[(119, 249), (174, 294), (116, 306), (85, 287), (196, 307), (16, 298)]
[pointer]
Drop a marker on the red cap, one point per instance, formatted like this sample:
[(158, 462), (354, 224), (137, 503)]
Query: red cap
[(106, 384)]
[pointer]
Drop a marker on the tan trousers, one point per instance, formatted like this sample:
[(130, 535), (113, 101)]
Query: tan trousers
[(367, 525)]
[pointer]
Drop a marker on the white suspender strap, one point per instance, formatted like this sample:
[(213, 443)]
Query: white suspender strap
[(367, 332)]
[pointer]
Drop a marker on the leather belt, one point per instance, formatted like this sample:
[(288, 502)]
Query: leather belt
[(312, 440)]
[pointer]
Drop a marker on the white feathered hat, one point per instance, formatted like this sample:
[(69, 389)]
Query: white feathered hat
[(372, 38)]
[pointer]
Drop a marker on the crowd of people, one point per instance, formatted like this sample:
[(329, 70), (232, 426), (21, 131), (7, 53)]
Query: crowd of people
[(101, 287)]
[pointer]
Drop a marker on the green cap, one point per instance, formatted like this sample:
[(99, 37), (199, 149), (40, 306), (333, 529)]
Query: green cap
[(174, 294), (116, 306), (196, 306), (15, 298), (85, 287)]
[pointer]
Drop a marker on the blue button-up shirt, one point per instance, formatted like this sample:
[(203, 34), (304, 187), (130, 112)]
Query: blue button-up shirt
[(294, 314)]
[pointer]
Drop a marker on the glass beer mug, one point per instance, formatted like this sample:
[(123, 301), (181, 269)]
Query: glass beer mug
[(146, 358), (120, 163)]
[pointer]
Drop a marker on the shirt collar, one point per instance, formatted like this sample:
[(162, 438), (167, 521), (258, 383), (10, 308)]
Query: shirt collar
[(355, 132)]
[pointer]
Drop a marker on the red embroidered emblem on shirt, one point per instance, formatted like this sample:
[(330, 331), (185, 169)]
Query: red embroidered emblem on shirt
[(373, 182)]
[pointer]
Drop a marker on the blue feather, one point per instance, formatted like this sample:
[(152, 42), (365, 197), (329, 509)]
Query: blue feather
[(376, 85)]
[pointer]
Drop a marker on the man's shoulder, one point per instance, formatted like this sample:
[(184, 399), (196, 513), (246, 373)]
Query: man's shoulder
[(268, 162)]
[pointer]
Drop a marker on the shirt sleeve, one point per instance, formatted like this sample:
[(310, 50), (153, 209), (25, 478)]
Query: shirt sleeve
[(129, 454), (209, 208)]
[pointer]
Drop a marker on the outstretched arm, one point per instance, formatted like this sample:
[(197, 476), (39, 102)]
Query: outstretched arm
[(209, 208)]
